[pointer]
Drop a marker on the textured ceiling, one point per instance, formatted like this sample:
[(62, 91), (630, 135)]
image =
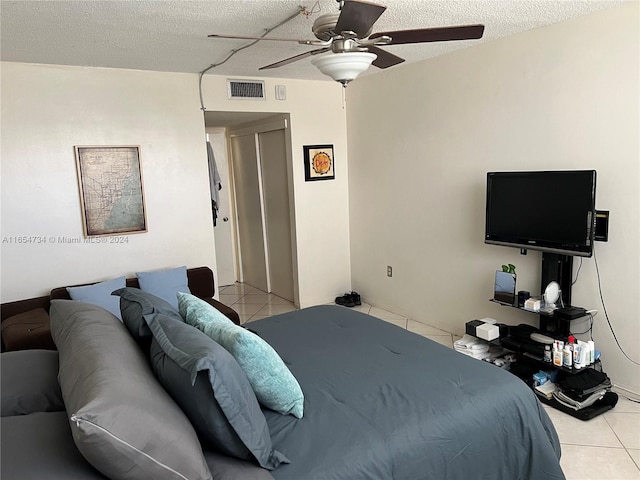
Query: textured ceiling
[(172, 35)]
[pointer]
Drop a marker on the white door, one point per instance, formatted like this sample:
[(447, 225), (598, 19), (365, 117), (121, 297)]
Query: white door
[(249, 211), (225, 264), (275, 185)]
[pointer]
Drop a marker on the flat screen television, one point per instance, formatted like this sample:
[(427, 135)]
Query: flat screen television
[(550, 211)]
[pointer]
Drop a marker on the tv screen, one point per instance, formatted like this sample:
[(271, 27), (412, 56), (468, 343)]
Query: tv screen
[(551, 211)]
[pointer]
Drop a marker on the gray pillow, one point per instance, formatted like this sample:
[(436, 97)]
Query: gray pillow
[(40, 445), (122, 420), (29, 381), (134, 304), (212, 390)]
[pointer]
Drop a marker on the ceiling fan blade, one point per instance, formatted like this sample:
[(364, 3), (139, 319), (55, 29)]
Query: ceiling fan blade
[(385, 59), (439, 34), (295, 58), (247, 37), (358, 16)]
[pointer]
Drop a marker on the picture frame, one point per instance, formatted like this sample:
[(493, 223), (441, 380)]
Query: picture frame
[(111, 190), (318, 162)]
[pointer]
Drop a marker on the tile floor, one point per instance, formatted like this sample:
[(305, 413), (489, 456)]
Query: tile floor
[(604, 448)]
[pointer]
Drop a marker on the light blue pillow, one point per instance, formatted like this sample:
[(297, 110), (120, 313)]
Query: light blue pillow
[(165, 284), (272, 382), (100, 294)]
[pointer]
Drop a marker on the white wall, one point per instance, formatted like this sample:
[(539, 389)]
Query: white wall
[(321, 208), (423, 136), (46, 110)]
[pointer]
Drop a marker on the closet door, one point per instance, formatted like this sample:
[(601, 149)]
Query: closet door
[(249, 211), (273, 160)]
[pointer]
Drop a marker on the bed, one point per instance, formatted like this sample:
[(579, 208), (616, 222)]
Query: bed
[(384, 403), (379, 403)]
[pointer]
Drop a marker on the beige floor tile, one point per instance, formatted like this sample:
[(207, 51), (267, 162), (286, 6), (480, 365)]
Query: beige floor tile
[(230, 298), (597, 463), (625, 405), (385, 315), (255, 297), (246, 308), (441, 339), (239, 288), (594, 432), (635, 454), (424, 329), (364, 308), (244, 318), (276, 300), (626, 426)]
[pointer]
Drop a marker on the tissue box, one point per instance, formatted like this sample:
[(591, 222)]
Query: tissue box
[(532, 304), (487, 331)]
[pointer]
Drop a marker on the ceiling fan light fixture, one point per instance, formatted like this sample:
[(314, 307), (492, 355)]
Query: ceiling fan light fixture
[(344, 67)]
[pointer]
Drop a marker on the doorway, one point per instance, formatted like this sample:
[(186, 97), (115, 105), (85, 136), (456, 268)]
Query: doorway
[(226, 270), (261, 197)]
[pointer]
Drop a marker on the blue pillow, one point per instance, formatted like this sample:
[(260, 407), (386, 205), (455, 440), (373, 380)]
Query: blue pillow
[(212, 390), (165, 283), (100, 294), (274, 385)]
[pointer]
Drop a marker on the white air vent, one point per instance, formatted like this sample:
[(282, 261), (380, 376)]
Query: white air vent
[(246, 89)]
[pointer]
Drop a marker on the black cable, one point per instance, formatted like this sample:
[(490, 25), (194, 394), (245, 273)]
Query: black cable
[(577, 273), (604, 309)]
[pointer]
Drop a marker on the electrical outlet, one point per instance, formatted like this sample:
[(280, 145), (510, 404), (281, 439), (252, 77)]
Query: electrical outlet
[(389, 271)]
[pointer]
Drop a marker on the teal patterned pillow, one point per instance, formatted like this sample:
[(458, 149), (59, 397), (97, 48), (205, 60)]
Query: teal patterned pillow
[(274, 385)]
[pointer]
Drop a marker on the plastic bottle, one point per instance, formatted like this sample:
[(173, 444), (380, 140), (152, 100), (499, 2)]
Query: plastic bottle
[(576, 355), (567, 356), (557, 353)]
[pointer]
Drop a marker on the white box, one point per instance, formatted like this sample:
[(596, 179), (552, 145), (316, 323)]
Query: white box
[(487, 331)]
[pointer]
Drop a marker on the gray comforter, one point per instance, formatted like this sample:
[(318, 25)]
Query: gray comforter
[(384, 403)]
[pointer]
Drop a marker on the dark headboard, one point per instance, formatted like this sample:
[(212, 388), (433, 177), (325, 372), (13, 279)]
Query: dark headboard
[(200, 281), (10, 309)]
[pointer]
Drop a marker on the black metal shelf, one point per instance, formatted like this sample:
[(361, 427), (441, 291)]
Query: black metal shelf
[(540, 312)]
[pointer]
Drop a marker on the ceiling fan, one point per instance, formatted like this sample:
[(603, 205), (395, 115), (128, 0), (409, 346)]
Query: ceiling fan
[(349, 45)]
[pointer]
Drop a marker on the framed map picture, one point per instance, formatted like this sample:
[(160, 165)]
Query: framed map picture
[(318, 162), (110, 180)]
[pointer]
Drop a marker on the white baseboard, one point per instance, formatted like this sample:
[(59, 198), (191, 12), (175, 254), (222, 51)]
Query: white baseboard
[(625, 391)]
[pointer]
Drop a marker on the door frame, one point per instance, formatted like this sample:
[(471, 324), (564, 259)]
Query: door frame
[(276, 122), (229, 195)]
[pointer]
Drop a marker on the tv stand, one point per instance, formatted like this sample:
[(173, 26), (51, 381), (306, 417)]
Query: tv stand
[(557, 268)]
